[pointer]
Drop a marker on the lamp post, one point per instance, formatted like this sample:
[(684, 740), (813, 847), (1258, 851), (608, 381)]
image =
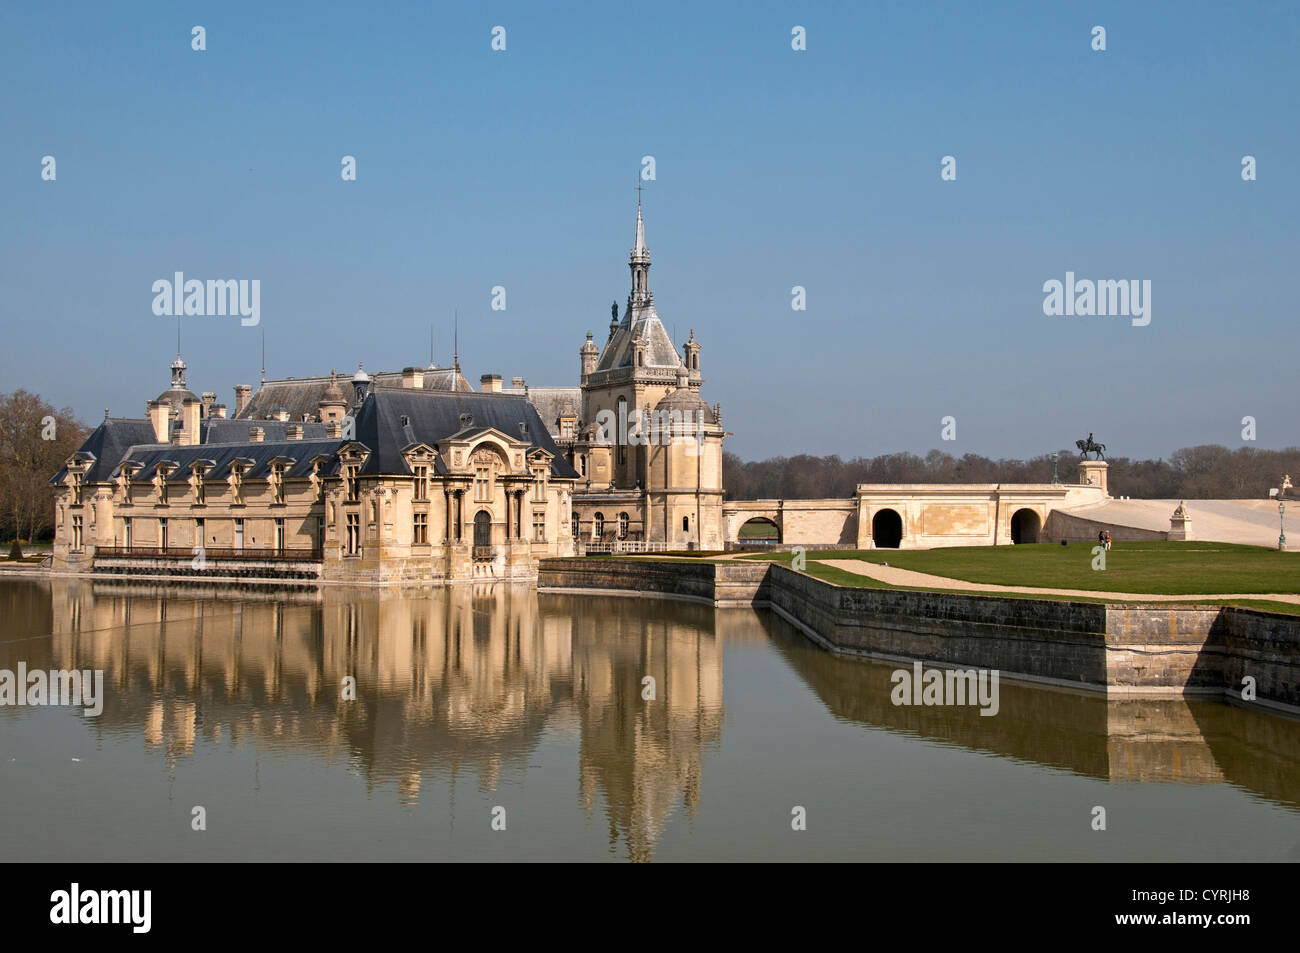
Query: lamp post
[(1279, 492)]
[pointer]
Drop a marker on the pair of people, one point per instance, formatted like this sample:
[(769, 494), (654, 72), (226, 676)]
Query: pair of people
[(1104, 538)]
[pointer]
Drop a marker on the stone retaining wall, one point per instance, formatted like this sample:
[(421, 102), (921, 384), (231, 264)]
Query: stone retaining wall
[(1119, 648)]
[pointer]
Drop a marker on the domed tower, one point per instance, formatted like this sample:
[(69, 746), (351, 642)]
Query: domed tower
[(684, 470), (360, 386), (332, 404)]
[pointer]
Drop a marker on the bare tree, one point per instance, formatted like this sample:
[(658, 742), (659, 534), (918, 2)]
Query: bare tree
[(35, 441)]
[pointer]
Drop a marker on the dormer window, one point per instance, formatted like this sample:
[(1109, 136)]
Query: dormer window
[(277, 482), (539, 486), (160, 485), (200, 490), (351, 482), (237, 483), (75, 477), (421, 482)]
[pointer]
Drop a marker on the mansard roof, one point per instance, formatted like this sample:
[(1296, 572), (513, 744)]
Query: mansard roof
[(392, 419), (109, 443), (261, 455)]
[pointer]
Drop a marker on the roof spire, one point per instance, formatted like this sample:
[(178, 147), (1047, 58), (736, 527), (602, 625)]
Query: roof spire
[(639, 261)]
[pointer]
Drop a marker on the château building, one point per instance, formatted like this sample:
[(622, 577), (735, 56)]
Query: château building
[(406, 476)]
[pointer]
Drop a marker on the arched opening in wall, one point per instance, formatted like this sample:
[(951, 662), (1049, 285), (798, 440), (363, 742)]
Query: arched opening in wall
[(886, 529), (482, 528), (1025, 526), (760, 529)]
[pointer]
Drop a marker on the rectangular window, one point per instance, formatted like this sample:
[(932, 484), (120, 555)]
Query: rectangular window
[(277, 483), (279, 534), (539, 487), (354, 534), (76, 534), (237, 484), (353, 483), (482, 485), (162, 535), (420, 531), (200, 489), (539, 527), (126, 532), (239, 536), (422, 483), (200, 538)]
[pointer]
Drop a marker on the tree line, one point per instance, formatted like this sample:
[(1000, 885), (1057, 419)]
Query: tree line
[(1193, 473)]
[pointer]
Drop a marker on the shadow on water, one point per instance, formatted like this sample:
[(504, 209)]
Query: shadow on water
[(467, 684)]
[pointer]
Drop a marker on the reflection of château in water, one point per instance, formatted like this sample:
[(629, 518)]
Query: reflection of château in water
[(464, 680), (469, 680)]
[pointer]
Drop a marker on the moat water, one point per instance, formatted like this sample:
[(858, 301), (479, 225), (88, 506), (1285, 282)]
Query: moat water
[(499, 703)]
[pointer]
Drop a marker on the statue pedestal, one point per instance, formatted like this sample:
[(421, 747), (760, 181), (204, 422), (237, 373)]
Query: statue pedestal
[(1093, 473), (1180, 525)]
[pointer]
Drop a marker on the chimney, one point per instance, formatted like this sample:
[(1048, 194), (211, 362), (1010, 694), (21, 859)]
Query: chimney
[(191, 411), (256, 434), (219, 411), (293, 432), (491, 383), (516, 382), (209, 399), (334, 430), (413, 377), (242, 394), (160, 416)]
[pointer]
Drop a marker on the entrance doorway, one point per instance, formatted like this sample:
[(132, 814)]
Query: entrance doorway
[(1025, 526), (886, 529)]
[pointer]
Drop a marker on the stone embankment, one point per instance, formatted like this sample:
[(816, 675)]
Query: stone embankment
[(1147, 649)]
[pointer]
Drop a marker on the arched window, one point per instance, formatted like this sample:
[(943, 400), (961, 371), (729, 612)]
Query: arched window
[(686, 524), (598, 525), (622, 525), (575, 524)]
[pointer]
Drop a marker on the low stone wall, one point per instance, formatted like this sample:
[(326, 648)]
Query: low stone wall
[(1118, 648), (718, 584), (1061, 526)]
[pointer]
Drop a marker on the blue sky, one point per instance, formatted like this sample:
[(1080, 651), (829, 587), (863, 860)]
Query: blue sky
[(774, 168)]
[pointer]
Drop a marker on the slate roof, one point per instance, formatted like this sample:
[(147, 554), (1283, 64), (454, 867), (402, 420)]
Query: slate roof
[(435, 415), (217, 430), (109, 443), (302, 395), (551, 403), (643, 321), (223, 455)]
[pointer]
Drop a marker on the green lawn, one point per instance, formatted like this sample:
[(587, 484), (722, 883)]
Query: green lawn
[(1150, 567)]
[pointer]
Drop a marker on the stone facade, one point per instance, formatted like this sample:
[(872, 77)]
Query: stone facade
[(431, 485)]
